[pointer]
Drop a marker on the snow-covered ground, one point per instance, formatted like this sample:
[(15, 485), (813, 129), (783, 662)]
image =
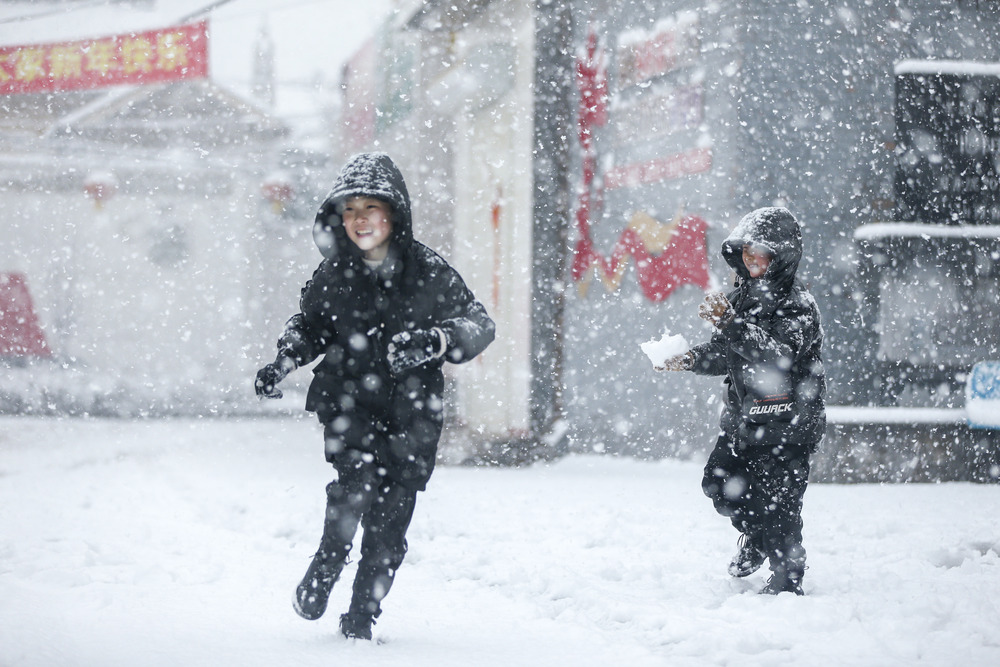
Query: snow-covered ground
[(180, 542)]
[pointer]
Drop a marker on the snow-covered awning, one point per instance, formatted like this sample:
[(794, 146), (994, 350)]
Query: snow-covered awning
[(953, 67), (882, 230), (844, 414)]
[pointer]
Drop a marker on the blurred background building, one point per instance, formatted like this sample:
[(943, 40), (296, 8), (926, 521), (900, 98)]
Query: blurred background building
[(575, 151), (158, 217), (580, 163)]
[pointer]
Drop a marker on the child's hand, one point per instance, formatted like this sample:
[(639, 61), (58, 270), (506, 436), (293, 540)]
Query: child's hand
[(678, 362), (267, 380), (716, 309), (409, 349)]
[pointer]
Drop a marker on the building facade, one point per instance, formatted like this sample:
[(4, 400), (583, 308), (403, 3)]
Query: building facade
[(651, 128), (156, 228)]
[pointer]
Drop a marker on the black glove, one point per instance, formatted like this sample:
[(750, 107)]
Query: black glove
[(409, 349), (268, 378)]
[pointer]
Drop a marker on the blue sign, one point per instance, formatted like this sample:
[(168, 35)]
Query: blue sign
[(982, 395)]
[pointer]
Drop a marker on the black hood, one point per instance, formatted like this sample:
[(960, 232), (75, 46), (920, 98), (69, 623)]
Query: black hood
[(364, 175), (775, 229)]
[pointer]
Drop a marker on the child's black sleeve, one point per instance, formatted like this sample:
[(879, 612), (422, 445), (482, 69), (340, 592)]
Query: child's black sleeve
[(301, 341), (297, 341), (464, 320), (710, 358)]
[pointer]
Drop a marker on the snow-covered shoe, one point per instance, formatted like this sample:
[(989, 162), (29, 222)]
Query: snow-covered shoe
[(783, 583), (749, 558), (356, 626), (313, 591)]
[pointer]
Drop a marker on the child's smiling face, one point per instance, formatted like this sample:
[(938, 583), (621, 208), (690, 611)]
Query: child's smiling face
[(368, 222), (756, 260)]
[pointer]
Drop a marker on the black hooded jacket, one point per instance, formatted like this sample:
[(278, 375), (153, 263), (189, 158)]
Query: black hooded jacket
[(350, 312), (770, 352)]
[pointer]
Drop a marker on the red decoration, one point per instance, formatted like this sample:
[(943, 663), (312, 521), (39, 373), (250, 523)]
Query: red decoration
[(100, 187), (496, 210), (666, 256), (20, 333), (592, 79), (277, 190)]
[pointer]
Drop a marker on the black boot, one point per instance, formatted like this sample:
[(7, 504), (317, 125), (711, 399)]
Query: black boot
[(313, 592), (360, 617), (354, 625), (783, 582), (749, 558), (787, 568)]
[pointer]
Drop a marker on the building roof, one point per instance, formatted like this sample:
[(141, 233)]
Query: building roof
[(147, 115)]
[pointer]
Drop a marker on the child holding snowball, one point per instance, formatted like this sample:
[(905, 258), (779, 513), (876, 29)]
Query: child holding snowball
[(767, 344), (384, 312)]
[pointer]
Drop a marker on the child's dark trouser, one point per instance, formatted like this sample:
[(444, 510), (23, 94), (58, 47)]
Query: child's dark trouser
[(760, 489), (384, 509)]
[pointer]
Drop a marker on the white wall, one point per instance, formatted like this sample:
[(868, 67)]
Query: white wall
[(494, 163)]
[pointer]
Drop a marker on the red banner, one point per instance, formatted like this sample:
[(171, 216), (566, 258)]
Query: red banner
[(178, 52), (694, 161)]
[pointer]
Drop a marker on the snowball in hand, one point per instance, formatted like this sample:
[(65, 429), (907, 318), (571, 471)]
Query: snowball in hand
[(668, 346)]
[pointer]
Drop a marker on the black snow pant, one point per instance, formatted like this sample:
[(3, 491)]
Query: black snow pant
[(760, 489), (383, 508)]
